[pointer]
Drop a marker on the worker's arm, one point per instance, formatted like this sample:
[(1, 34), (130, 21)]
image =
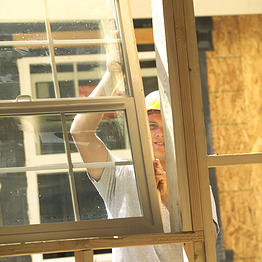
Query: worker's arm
[(83, 128)]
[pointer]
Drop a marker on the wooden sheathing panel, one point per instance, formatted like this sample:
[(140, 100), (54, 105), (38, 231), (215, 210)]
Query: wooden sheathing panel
[(225, 74), (235, 81), (226, 38), (229, 119), (234, 178), (256, 208), (240, 227), (251, 54), (240, 193), (84, 256)]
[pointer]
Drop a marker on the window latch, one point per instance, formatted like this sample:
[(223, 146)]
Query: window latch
[(23, 98)]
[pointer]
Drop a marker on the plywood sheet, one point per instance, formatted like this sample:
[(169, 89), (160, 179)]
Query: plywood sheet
[(226, 37), (240, 226), (237, 178), (235, 93), (231, 138), (224, 74)]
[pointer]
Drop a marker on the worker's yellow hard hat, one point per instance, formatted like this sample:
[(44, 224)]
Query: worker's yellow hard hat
[(153, 101)]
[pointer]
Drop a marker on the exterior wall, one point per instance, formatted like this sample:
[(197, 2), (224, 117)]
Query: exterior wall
[(235, 91)]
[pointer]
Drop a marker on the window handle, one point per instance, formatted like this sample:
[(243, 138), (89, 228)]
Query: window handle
[(23, 98)]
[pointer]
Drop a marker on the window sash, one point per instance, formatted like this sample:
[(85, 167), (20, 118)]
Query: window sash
[(150, 222), (139, 140)]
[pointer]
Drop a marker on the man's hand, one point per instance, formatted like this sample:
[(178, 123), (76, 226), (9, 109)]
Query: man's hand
[(160, 176)]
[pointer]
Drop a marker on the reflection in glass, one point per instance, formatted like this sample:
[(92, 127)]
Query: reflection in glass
[(116, 184), (56, 203), (35, 183), (75, 77), (83, 35), (23, 21), (112, 130), (49, 135), (15, 70), (17, 259)]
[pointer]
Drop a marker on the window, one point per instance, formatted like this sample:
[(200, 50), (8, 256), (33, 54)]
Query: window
[(52, 65)]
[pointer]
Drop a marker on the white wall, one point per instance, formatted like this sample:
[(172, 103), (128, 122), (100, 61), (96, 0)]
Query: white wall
[(142, 8), (227, 7), (32, 10), (58, 10)]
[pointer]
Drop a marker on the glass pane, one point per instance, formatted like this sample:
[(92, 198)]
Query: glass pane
[(148, 72), (55, 198), (240, 189), (233, 70), (85, 36), (50, 136), (17, 259), (77, 75), (116, 183), (36, 185), (22, 20), (16, 69)]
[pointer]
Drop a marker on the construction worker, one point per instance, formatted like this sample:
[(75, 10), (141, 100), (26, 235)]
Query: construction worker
[(117, 185)]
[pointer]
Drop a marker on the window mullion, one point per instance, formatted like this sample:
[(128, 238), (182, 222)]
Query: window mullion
[(234, 159), (76, 80), (63, 42), (52, 52), (61, 166), (70, 170)]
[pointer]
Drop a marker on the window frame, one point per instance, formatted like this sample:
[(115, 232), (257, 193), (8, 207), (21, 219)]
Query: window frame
[(138, 131), (149, 222), (26, 88)]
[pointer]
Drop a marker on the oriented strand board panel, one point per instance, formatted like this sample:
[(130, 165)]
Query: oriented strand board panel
[(226, 37), (240, 227), (234, 178), (234, 79), (235, 93)]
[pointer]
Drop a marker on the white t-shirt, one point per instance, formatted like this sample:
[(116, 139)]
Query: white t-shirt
[(117, 186)]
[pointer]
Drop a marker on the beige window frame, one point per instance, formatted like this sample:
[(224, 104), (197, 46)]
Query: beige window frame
[(139, 139), (150, 222), (27, 87)]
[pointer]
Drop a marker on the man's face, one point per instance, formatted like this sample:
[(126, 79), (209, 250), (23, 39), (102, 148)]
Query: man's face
[(156, 129)]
